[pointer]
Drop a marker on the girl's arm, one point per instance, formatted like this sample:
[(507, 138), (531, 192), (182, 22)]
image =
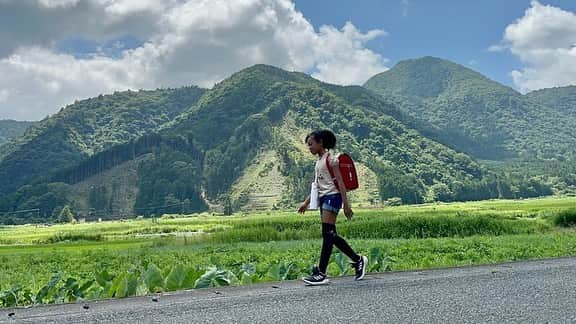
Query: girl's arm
[(342, 188), (304, 205)]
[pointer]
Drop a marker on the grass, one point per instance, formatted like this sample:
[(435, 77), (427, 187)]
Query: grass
[(410, 237), (565, 218), (540, 210), (375, 227), (23, 266)]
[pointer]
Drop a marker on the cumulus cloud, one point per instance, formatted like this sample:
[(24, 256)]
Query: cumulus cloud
[(543, 39), (38, 82), (183, 42), (342, 58)]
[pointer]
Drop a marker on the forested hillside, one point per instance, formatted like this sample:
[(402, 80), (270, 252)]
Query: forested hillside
[(192, 150), (479, 116), (10, 129), (88, 127)]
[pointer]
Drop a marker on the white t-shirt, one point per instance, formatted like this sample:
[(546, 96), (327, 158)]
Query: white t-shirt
[(324, 181)]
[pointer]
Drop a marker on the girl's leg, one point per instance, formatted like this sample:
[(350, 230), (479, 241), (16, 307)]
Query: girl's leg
[(343, 246), (330, 223), (328, 235), (330, 238)]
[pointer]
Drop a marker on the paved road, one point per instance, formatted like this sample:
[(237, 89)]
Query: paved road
[(523, 292)]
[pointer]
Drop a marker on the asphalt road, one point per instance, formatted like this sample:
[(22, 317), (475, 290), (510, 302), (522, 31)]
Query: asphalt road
[(523, 292)]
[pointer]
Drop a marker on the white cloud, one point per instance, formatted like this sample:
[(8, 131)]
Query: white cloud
[(4, 94), (543, 40), (497, 48), (39, 82), (342, 57), (58, 3), (185, 42), (405, 4)]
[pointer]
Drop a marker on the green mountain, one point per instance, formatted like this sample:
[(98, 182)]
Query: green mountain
[(240, 145), (264, 108), (476, 115), (88, 127), (10, 129), (562, 99)]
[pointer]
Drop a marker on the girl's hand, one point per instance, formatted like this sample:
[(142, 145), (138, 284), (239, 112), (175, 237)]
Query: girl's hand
[(303, 207), (348, 212)]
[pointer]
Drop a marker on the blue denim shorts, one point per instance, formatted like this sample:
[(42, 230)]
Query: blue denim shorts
[(331, 203)]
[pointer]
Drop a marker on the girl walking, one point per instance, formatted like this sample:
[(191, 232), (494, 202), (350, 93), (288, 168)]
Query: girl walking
[(331, 197)]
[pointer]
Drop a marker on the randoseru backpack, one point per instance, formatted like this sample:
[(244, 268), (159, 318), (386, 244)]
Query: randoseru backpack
[(347, 169)]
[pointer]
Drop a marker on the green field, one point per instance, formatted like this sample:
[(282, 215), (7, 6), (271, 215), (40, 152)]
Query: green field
[(66, 262)]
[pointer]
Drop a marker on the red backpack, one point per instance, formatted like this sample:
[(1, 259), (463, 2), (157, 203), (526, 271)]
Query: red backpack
[(347, 169)]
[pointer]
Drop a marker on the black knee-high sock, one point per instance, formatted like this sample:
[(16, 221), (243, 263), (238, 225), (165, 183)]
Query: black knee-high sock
[(328, 234), (343, 246)]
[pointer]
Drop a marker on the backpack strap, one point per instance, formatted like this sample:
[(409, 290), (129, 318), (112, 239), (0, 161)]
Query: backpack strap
[(330, 170)]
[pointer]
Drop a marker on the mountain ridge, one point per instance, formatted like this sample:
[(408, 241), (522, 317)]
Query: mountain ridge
[(200, 157), (502, 122)]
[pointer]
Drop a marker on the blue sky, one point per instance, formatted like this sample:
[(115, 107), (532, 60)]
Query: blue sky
[(458, 30)]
